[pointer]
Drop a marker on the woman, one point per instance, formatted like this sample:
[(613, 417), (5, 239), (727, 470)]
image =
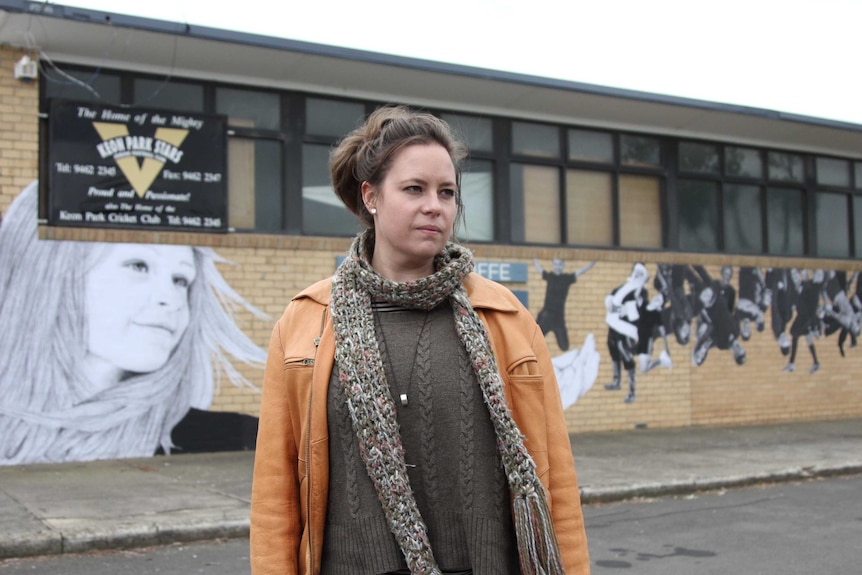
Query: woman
[(106, 347), (410, 419)]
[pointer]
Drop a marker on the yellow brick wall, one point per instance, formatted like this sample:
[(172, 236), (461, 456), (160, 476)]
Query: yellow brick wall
[(19, 129), (268, 270)]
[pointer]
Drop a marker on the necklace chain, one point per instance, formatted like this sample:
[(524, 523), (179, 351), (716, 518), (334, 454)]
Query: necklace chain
[(403, 397)]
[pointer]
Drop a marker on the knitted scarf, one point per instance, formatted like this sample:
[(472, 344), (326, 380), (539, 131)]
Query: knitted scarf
[(372, 409)]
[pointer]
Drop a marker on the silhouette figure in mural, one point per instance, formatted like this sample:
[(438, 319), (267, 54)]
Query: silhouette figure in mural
[(781, 297), (753, 301), (653, 321), (725, 289), (839, 314), (674, 282), (107, 347), (552, 317), (716, 324), (808, 321), (623, 308)]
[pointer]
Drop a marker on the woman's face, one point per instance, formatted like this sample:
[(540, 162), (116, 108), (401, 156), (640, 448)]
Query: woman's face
[(416, 207), (137, 305)]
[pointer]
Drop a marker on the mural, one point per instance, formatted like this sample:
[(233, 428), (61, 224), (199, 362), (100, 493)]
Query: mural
[(114, 350), (577, 369), (702, 313), (552, 316)]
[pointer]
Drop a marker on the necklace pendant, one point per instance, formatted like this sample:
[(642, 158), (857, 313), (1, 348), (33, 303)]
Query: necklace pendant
[(403, 398)]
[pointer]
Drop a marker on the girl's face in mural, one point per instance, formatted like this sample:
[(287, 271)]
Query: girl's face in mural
[(137, 307)]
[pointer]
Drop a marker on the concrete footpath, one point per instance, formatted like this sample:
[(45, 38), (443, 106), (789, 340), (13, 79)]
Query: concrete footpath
[(68, 508)]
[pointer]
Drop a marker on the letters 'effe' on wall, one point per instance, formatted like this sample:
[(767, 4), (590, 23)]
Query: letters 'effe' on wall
[(119, 167)]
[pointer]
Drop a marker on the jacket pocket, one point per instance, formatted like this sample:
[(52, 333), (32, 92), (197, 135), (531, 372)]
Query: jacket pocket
[(298, 363), (528, 409)]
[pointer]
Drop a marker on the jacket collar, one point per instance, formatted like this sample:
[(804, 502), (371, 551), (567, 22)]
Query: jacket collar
[(483, 293)]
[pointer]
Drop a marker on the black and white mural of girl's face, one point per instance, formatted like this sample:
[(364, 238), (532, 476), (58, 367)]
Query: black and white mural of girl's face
[(137, 307)]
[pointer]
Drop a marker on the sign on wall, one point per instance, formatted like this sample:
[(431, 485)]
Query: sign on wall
[(118, 167)]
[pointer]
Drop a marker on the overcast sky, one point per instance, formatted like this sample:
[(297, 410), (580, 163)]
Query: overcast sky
[(798, 56)]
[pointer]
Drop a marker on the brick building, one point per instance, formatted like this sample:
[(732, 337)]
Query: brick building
[(734, 213)]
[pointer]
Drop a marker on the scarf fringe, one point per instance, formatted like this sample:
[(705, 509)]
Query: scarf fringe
[(537, 543)]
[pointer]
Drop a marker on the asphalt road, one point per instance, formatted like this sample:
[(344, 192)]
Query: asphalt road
[(787, 529)]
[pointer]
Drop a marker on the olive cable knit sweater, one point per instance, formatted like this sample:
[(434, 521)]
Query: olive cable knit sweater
[(451, 452)]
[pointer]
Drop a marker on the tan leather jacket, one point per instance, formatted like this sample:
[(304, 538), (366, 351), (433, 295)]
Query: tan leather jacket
[(291, 469)]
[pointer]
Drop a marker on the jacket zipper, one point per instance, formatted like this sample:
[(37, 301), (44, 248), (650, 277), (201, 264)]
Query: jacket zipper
[(308, 444)]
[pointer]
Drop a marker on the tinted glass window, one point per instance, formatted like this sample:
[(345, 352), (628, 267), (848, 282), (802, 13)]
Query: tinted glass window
[(535, 140), (477, 132), (832, 172), (591, 146), (332, 117), (248, 108), (322, 211), (695, 157), (83, 87), (785, 167), (169, 95), (785, 231), (477, 194), (743, 223), (640, 151), (833, 230), (698, 215), (746, 162)]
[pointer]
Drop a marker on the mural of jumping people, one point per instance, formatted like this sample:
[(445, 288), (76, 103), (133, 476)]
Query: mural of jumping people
[(781, 297), (671, 281), (808, 320), (839, 314), (651, 328), (753, 301), (552, 317), (716, 324), (622, 307)]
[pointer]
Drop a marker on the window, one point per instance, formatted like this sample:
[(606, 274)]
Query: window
[(524, 181), (833, 232), (168, 94), (477, 195), (589, 208), (535, 204), (701, 158), (83, 86), (785, 222), (857, 225), (254, 188), (322, 211), (832, 172), (332, 117), (477, 132), (785, 167), (249, 109), (537, 140), (743, 162), (640, 151), (743, 222), (591, 146), (698, 215), (640, 212)]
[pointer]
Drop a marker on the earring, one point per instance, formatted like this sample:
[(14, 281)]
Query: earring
[(373, 211)]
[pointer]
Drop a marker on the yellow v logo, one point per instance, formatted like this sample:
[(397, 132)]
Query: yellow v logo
[(140, 175)]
